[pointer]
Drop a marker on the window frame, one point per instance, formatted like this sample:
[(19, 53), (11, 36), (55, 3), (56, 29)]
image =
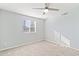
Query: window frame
[(35, 24)]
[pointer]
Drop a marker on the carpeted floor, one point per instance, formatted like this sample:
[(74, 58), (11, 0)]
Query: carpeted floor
[(42, 48)]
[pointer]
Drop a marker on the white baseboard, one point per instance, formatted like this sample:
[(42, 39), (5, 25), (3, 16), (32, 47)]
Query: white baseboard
[(19, 45), (58, 44), (32, 42), (62, 45)]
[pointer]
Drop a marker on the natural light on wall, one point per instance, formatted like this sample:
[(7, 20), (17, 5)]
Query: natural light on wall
[(61, 38)]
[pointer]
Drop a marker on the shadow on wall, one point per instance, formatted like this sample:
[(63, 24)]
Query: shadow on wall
[(63, 40)]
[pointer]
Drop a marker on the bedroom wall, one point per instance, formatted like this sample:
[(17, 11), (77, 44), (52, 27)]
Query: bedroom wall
[(11, 30), (67, 25)]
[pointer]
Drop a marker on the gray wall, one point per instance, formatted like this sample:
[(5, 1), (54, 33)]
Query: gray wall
[(11, 30), (68, 25)]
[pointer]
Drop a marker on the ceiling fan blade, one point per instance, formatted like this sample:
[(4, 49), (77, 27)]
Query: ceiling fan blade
[(39, 8), (53, 9)]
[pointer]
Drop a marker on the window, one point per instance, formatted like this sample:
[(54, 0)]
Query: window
[(29, 26)]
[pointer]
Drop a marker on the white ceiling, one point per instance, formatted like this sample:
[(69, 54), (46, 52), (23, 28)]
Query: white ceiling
[(26, 8)]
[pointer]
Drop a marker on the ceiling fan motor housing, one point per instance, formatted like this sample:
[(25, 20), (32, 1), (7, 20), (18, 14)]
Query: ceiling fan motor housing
[(46, 7)]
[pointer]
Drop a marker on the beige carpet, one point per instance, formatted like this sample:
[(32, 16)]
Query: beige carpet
[(42, 48)]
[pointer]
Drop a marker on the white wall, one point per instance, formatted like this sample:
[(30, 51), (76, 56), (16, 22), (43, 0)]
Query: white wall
[(11, 30), (68, 25)]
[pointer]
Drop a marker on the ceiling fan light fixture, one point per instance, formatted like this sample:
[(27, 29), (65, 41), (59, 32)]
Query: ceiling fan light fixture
[(46, 11)]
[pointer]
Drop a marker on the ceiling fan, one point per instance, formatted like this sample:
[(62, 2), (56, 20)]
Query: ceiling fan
[(46, 8)]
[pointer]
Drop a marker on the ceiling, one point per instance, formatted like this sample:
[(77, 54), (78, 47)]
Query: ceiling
[(26, 8)]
